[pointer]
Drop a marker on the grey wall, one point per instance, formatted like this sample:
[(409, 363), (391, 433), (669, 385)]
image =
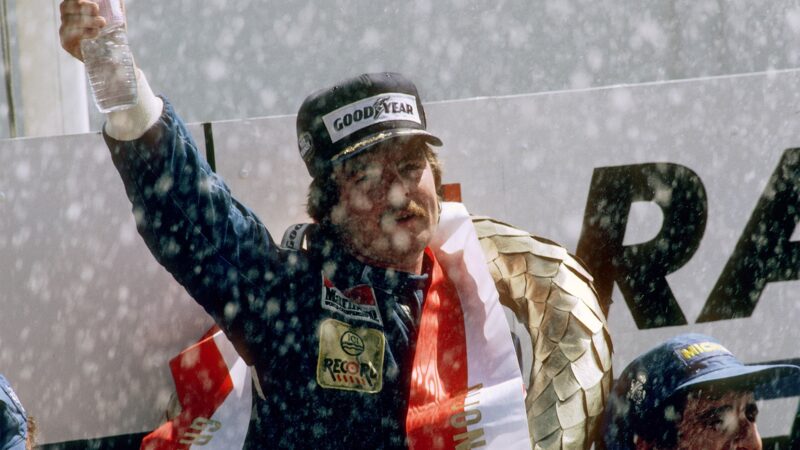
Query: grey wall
[(224, 59)]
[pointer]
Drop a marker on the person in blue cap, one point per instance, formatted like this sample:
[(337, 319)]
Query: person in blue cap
[(690, 392), (13, 419)]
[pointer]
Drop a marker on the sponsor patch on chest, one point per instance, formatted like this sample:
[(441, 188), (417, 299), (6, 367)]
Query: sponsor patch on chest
[(356, 303), (350, 358)]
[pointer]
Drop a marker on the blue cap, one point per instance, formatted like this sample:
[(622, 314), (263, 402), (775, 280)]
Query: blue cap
[(13, 420), (681, 364)]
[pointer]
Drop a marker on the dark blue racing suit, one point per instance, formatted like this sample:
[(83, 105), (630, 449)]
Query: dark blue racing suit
[(273, 303)]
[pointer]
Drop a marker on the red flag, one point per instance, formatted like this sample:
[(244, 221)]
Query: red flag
[(214, 390)]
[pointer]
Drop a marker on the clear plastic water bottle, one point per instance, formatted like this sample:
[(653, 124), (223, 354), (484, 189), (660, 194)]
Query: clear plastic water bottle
[(109, 62)]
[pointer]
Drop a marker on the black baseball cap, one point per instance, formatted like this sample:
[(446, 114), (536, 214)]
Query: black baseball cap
[(677, 366), (341, 121)]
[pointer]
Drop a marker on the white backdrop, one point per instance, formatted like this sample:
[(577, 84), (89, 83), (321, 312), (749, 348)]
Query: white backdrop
[(89, 320)]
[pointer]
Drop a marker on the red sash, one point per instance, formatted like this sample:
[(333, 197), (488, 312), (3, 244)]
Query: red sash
[(466, 388), (439, 376)]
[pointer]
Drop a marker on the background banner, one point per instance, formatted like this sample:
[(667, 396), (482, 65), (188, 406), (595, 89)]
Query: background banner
[(683, 197)]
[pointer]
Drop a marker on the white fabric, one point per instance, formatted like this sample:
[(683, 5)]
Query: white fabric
[(234, 412), (491, 358), (131, 123)]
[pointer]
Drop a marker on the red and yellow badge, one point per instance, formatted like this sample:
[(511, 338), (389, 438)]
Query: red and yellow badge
[(350, 358)]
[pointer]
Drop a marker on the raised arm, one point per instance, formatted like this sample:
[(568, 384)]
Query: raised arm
[(214, 246)]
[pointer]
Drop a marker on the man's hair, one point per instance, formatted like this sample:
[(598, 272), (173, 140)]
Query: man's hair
[(323, 193), (30, 440)]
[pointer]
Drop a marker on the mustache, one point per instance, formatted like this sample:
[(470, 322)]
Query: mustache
[(412, 209)]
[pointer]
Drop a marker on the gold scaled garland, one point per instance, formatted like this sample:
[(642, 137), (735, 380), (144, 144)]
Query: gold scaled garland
[(552, 294)]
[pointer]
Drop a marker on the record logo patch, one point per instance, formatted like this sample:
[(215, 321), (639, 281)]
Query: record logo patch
[(350, 358)]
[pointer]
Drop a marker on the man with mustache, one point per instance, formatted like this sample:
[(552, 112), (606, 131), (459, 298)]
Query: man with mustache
[(395, 320)]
